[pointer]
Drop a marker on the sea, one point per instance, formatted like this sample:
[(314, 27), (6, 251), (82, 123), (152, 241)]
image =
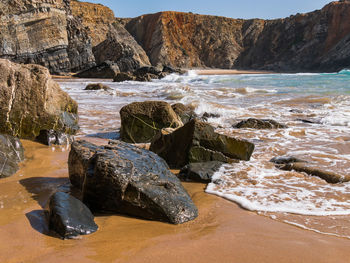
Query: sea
[(314, 106)]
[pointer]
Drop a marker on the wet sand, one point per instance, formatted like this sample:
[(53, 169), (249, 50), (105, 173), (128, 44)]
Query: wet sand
[(223, 232)]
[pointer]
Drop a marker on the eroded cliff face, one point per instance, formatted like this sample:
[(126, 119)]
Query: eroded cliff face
[(95, 17), (44, 32), (316, 41)]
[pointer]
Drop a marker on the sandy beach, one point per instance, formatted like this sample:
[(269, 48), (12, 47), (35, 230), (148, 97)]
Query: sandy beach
[(223, 232)]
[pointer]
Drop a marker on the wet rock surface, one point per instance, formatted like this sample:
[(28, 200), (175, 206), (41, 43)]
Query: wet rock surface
[(69, 217), (140, 121), (252, 123), (286, 160), (105, 70), (11, 153), (198, 142), (200, 172), (97, 86), (122, 178), (31, 101), (52, 137)]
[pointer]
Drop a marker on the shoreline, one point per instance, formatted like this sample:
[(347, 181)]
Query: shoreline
[(223, 232), (230, 72)]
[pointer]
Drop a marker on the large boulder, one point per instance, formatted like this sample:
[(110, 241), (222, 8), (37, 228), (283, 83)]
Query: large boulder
[(30, 101), (253, 123), (124, 179), (140, 121), (69, 217), (11, 153), (198, 142)]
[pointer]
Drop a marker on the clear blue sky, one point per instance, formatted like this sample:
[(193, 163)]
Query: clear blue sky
[(266, 9)]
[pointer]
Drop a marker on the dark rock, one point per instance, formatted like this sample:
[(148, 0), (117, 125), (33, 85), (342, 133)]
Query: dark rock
[(200, 172), (207, 115), (69, 217), (97, 86), (285, 160), (170, 70), (123, 76), (328, 176), (121, 48), (140, 121), (310, 121), (123, 178), (105, 70), (259, 124), (197, 142), (51, 137), (11, 153), (30, 101), (184, 112)]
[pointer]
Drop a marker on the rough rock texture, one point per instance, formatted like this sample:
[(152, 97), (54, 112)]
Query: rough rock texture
[(316, 41), (259, 124), (140, 121), (184, 112), (96, 18), (121, 48), (125, 179), (11, 153), (197, 142), (69, 217), (44, 32), (30, 101), (200, 172)]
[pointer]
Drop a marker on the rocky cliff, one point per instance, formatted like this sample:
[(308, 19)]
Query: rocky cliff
[(316, 41), (44, 32)]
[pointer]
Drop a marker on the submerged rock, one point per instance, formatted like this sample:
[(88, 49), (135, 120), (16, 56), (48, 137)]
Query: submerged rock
[(207, 115), (31, 101), (259, 124), (69, 217), (123, 76), (123, 178), (198, 142), (11, 153), (140, 121), (328, 176), (97, 86), (286, 159), (51, 137), (200, 172)]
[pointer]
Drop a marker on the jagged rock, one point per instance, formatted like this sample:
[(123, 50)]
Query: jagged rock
[(11, 153), (197, 142), (97, 86), (315, 41), (69, 217), (121, 48), (123, 178), (106, 70), (30, 101), (184, 112), (123, 76), (52, 137), (328, 176), (200, 172), (286, 160), (140, 121), (24, 35), (259, 124)]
